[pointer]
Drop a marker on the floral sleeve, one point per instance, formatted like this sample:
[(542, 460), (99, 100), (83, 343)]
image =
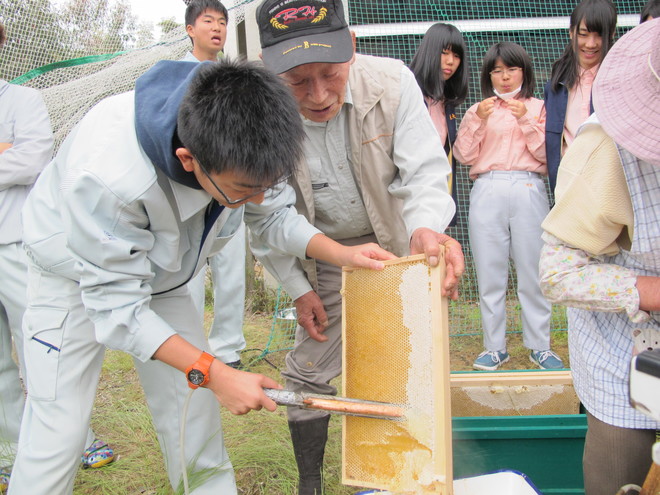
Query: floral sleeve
[(573, 277)]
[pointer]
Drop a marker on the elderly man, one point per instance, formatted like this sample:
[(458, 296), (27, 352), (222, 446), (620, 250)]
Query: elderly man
[(374, 170)]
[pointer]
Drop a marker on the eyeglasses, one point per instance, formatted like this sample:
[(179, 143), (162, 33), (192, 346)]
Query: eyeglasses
[(245, 198), (500, 72)]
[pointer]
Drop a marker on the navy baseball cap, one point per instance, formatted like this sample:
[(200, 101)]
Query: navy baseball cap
[(297, 32)]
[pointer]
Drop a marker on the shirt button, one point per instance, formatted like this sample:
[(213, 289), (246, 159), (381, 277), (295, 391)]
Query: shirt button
[(341, 167)]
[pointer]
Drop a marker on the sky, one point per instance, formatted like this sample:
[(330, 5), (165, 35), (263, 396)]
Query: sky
[(154, 10)]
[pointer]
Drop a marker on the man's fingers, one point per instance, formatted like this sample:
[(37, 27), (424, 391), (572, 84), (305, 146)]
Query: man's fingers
[(314, 330)]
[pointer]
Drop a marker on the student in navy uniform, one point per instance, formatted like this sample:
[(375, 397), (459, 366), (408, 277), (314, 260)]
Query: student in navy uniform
[(441, 68), (567, 94)]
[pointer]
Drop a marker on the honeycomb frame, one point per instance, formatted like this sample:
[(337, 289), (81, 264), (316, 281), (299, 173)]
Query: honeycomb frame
[(396, 350)]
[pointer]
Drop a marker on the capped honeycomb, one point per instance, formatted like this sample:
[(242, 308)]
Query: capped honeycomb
[(396, 349)]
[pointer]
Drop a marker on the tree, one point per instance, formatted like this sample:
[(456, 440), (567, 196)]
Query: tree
[(34, 36), (39, 33)]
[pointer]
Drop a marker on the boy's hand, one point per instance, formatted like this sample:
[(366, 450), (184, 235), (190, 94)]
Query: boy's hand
[(4, 147), (428, 241), (311, 315), (517, 107), (367, 255), (240, 391), (364, 256), (486, 108)]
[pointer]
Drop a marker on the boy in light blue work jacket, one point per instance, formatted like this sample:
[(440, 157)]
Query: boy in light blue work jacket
[(147, 187)]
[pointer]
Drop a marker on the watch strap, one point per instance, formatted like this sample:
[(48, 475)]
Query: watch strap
[(203, 365)]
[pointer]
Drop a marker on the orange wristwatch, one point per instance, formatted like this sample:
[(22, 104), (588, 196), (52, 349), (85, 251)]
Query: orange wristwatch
[(198, 374)]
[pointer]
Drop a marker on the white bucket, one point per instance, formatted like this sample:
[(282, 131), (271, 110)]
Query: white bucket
[(498, 483), (506, 482)]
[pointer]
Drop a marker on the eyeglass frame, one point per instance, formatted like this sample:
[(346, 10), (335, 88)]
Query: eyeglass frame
[(510, 71), (232, 202)]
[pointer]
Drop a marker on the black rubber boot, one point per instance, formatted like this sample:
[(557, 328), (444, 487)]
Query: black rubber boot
[(309, 438)]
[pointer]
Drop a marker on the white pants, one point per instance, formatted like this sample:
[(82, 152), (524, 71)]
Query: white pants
[(13, 273), (506, 212), (226, 337), (13, 296), (63, 362)]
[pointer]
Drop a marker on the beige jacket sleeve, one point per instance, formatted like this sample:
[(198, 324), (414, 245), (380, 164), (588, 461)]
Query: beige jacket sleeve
[(593, 211)]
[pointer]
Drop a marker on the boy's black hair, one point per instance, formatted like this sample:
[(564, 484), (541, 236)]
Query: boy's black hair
[(512, 55), (427, 67), (599, 16), (3, 37), (196, 8), (239, 116), (652, 9)]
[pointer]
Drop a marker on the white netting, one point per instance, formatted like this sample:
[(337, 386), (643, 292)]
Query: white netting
[(81, 51)]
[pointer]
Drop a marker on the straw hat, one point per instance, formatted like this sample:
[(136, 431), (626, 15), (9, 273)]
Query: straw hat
[(626, 92)]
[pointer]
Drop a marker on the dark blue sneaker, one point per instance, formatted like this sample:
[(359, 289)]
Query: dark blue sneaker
[(490, 360), (546, 360)]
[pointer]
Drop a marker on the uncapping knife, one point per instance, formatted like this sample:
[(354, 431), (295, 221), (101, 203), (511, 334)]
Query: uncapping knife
[(336, 405)]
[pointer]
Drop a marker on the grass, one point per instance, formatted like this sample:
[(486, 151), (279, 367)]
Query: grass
[(258, 443)]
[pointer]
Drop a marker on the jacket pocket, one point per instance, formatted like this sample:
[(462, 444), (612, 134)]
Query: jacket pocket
[(554, 126), (52, 255), (44, 332)]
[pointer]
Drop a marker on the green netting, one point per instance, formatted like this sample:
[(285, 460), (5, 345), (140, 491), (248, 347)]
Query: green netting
[(282, 331), (65, 33)]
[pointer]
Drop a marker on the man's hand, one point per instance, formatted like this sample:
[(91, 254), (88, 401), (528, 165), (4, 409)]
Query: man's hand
[(311, 315), (4, 147), (428, 241), (240, 391)]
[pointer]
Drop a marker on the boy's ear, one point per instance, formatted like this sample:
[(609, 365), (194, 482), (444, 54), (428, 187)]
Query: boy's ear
[(186, 159)]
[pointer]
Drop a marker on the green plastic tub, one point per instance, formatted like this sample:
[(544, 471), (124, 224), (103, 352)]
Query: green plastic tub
[(548, 449)]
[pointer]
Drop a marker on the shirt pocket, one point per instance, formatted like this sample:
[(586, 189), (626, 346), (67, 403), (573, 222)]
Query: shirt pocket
[(44, 332), (6, 132), (324, 198)]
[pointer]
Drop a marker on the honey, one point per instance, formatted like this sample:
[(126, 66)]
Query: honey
[(396, 350)]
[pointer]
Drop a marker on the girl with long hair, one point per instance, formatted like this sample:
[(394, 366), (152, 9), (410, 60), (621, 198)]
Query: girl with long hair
[(568, 92), (441, 69)]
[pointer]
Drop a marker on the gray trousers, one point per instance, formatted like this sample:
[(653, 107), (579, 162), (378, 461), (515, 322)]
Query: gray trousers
[(62, 385), (311, 364), (506, 212), (614, 457)]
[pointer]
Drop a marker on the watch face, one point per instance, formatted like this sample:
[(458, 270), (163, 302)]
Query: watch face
[(196, 377)]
